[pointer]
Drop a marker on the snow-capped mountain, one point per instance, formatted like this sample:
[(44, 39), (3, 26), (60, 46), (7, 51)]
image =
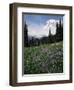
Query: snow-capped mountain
[(39, 31)]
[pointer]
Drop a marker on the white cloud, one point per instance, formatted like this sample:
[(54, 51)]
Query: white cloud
[(42, 30)]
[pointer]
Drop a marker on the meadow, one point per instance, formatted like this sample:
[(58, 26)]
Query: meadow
[(46, 58)]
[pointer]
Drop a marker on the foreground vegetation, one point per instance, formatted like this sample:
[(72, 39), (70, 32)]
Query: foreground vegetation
[(47, 58)]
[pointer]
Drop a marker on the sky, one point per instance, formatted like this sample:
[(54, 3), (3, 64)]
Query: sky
[(38, 25)]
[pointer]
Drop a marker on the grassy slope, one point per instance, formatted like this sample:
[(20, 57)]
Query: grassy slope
[(46, 58)]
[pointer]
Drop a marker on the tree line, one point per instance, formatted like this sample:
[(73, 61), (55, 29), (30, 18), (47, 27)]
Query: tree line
[(44, 40)]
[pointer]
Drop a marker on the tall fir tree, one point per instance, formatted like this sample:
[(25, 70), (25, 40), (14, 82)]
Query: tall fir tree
[(57, 32), (25, 35), (50, 36), (61, 30)]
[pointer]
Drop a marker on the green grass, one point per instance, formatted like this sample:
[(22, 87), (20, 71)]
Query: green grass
[(46, 58)]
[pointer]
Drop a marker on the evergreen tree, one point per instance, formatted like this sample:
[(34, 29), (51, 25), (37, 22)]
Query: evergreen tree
[(25, 35), (61, 29), (57, 32), (50, 37)]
